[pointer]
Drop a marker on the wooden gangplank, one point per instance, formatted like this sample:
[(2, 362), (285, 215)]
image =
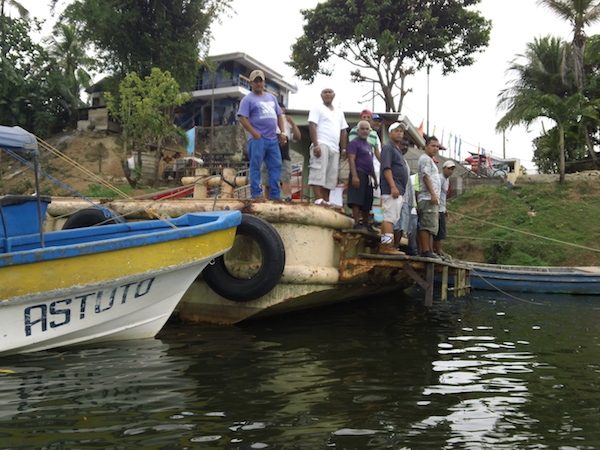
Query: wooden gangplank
[(358, 256), (422, 271)]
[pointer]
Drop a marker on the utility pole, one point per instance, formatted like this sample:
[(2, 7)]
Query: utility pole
[(503, 144), (427, 127)]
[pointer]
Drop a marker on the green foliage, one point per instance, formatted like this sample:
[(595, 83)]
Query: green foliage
[(146, 107), (67, 48), (544, 86), (32, 88), (97, 191), (134, 36), (390, 38), (501, 225)]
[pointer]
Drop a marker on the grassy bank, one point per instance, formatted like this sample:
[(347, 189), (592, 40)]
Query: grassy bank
[(501, 225)]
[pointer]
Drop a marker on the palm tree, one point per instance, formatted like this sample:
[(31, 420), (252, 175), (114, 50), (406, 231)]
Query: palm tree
[(580, 13), (23, 12), (66, 47), (543, 87)]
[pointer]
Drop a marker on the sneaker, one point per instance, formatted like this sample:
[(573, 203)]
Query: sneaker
[(322, 202), (430, 255), (389, 249)]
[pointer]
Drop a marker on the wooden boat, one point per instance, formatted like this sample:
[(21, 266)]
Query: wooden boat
[(551, 280), (111, 282)]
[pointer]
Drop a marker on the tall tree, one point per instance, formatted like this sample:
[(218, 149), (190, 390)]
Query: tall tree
[(135, 36), (390, 39), (66, 47), (31, 86), (579, 13), (544, 87)]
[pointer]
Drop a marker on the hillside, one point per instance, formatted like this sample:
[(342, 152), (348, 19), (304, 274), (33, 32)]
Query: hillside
[(98, 152), (501, 225)]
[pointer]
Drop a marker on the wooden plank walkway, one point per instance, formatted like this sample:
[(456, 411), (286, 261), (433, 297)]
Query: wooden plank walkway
[(358, 255)]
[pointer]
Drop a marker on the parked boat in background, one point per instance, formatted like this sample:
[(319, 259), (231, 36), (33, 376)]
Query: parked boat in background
[(551, 280)]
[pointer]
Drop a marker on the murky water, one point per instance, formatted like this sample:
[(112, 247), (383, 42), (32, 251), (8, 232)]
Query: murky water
[(478, 373)]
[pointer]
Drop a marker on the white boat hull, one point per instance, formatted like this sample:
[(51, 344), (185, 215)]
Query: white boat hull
[(132, 307)]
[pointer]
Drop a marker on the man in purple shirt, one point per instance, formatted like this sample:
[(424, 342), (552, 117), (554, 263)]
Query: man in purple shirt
[(260, 115), (360, 188)]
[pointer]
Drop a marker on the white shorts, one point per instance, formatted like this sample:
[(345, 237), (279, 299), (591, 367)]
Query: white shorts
[(391, 208), (323, 171)]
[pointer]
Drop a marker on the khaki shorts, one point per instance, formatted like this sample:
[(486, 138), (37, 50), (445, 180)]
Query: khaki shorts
[(429, 216), (286, 172), (391, 208), (323, 171)]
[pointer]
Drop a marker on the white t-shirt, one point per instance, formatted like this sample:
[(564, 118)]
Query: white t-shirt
[(330, 122), (426, 166), (445, 185)]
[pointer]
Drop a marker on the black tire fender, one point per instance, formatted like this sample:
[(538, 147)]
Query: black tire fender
[(89, 217), (266, 237)]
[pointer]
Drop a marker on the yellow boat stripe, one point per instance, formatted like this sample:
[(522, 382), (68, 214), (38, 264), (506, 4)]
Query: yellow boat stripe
[(46, 276)]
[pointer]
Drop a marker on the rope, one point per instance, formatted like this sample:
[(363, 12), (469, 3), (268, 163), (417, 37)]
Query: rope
[(527, 233), (49, 148), (514, 297)]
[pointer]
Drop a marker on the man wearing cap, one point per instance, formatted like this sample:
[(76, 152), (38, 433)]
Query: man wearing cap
[(360, 187), (327, 127), (262, 118), (447, 171), (393, 185), (428, 199), (373, 139)]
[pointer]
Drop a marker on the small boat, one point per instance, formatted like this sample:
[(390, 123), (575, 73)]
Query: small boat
[(552, 280), (110, 282)]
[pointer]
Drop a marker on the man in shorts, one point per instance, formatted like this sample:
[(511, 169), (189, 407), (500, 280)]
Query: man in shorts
[(327, 127), (360, 187), (394, 176), (428, 199)]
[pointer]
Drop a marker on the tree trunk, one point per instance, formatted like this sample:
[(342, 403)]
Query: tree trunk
[(157, 157), (590, 146), (561, 159)]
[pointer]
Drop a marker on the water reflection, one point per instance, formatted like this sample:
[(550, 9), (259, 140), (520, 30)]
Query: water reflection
[(82, 393), (382, 373)]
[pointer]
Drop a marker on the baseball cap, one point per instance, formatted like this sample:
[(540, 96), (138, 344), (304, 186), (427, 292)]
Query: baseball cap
[(395, 125), (449, 163), (256, 74), (376, 117)]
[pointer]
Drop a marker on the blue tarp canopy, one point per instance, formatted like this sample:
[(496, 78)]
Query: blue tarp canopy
[(16, 138)]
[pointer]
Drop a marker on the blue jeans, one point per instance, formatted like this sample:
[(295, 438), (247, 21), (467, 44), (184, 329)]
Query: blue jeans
[(266, 150)]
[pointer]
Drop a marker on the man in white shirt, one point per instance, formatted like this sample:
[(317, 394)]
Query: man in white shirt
[(328, 135)]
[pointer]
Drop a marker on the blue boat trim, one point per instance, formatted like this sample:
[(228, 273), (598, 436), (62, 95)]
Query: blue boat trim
[(84, 241)]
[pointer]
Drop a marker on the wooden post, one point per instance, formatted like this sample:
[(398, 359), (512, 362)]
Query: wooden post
[(429, 272), (444, 293), (227, 183), (460, 283), (200, 189)]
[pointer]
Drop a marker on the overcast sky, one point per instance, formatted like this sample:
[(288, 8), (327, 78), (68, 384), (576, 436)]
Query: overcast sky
[(463, 103)]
